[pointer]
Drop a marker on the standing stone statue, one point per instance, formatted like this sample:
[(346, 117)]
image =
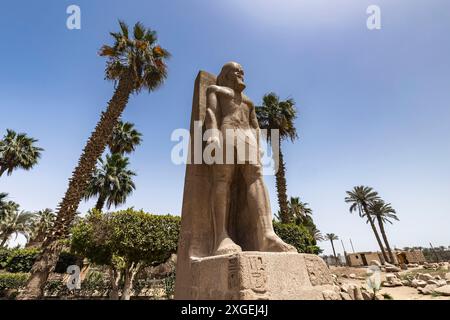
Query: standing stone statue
[(228, 110), (227, 242)]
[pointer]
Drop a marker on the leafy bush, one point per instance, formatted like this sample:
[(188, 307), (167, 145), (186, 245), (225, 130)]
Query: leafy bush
[(4, 256), (298, 236), (146, 238), (169, 285), (10, 281), (21, 260), (67, 259), (55, 288), (95, 280), (126, 241)]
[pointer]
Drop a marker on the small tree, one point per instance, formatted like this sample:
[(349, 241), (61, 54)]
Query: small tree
[(126, 241), (297, 236), (332, 237)]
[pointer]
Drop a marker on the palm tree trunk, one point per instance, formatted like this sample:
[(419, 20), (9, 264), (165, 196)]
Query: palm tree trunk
[(388, 247), (377, 236), (334, 252), (100, 203), (282, 186), (75, 192)]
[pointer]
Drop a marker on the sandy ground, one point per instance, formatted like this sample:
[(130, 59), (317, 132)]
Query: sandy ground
[(397, 293)]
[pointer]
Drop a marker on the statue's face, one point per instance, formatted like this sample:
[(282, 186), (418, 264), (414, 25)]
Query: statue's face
[(236, 77)]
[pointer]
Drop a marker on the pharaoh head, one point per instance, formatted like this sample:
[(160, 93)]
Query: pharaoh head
[(232, 76)]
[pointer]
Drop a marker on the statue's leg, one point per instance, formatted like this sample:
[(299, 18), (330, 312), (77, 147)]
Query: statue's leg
[(223, 175), (259, 205)]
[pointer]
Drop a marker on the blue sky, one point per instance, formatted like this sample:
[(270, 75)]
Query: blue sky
[(373, 105)]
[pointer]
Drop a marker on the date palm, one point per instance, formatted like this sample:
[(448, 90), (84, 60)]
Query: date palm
[(360, 199), (124, 138), (111, 182), (15, 222), (41, 226), (3, 203), (332, 237), (316, 234), (279, 115), (299, 210), (134, 62), (384, 212), (18, 151)]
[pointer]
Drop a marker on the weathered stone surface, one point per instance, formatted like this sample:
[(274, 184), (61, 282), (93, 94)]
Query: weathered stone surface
[(418, 283), (319, 274), (445, 290), (441, 283), (358, 294), (345, 296), (375, 263), (352, 276), (260, 275), (331, 295), (391, 268), (424, 276), (390, 277), (428, 289), (367, 295), (447, 276)]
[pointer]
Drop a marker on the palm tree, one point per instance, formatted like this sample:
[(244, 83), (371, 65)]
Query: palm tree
[(298, 210), (279, 115), (360, 198), (383, 212), (332, 237), (42, 224), (124, 138), (112, 181), (17, 150), (135, 62), (317, 235), (15, 222), (3, 203)]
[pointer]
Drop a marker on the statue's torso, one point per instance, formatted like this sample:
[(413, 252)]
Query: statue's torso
[(234, 109)]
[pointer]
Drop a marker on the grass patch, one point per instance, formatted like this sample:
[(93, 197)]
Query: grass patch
[(413, 273)]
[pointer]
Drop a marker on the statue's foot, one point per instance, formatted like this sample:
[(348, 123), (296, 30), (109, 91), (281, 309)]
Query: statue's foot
[(273, 243), (227, 246)]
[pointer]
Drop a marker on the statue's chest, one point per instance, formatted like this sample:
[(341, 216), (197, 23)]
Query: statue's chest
[(235, 107)]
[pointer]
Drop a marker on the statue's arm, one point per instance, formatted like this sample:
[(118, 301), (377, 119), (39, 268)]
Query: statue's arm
[(212, 112), (253, 118), (254, 124)]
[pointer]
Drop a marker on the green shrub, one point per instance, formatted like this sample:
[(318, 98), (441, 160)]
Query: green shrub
[(55, 288), (12, 281), (95, 280), (67, 259), (21, 260), (4, 256), (298, 236), (169, 285)]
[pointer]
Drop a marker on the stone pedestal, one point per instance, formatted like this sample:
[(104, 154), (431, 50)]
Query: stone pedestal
[(259, 275)]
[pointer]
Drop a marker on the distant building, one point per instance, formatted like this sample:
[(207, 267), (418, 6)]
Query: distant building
[(360, 259), (406, 257)]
